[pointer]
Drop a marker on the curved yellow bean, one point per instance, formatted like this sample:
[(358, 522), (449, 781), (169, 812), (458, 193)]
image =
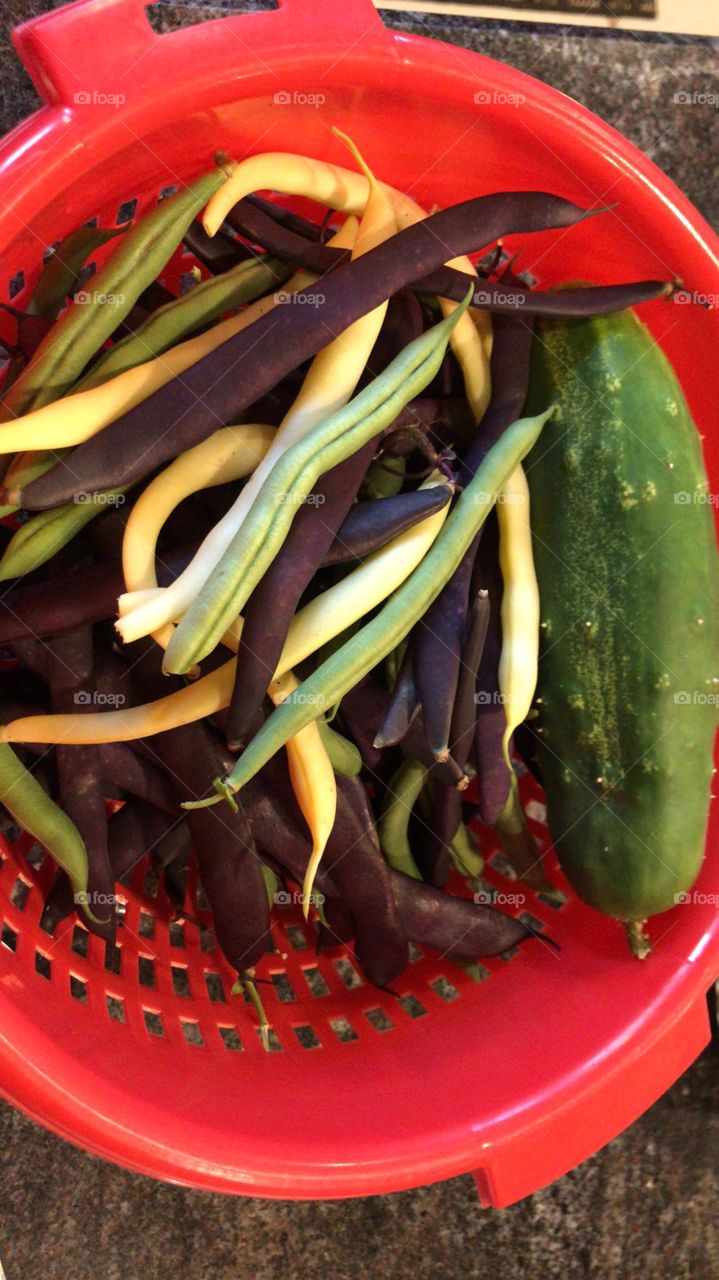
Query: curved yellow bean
[(340, 188), (314, 625), (520, 604), (313, 782), (328, 384), (228, 454)]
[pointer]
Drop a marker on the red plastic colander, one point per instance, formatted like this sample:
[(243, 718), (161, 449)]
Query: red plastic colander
[(525, 1069)]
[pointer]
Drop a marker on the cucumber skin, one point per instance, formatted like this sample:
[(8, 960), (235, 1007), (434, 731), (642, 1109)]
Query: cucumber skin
[(614, 549)]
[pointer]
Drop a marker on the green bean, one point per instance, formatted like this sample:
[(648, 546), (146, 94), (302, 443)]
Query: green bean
[(45, 533), (384, 478), (63, 267), (341, 672), (170, 324), (344, 755), (392, 829), (265, 527), (272, 884), (465, 855), (34, 811), (82, 329)]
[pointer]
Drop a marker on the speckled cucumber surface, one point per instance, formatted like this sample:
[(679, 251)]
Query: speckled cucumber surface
[(626, 560)]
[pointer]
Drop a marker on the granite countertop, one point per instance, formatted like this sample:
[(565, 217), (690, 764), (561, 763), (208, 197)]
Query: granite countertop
[(645, 1206)]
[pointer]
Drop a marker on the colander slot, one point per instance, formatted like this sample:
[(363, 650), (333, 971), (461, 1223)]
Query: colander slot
[(347, 973), (180, 981), (215, 989), (146, 924), (555, 900), (16, 285), (378, 1019), (187, 282), (8, 936), (414, 953), (316, 982), (146, 971), (153, 1022), (35, 856), (533, 922), (207, 940), (113, 958), (115, 1008), (476, 971), (296, 937), (445, 989), (343, 1030), (272, 1044), (191, 1032), (126, 212), (230, 1039), (78, 988), (43, 965), (412, 1006), (283, 988), (19, 893), (307, 1037), (177, 933), (501, 864), (79, 942)]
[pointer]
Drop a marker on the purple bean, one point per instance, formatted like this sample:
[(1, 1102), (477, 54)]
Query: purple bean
[(436, 650), (503, 298), (270, 609), (493, 776), (128, 771), (218, 387), (219, 252), (404, 703), (72, 685), (465, 709), (456, 927), (370, 525), (131, 833)]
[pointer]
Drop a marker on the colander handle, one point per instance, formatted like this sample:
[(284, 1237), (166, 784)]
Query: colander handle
[(95, 50)]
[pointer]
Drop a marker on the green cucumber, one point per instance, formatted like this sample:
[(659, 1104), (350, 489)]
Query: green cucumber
[(626, 561)]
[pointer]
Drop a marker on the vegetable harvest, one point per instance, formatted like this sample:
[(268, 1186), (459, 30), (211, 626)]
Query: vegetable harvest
[(310, 547)]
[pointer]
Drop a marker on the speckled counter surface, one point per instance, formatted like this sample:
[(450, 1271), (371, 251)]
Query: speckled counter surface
[(644, 1207)]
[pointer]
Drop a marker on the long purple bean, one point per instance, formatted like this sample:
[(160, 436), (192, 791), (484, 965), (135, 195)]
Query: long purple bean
[(272, 604), (219, 252), (127, 771), (370, 525), (493, 776), (131, 833), (290, 246), (72, 685), (218, 387), (456, 927), (404, 703)]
